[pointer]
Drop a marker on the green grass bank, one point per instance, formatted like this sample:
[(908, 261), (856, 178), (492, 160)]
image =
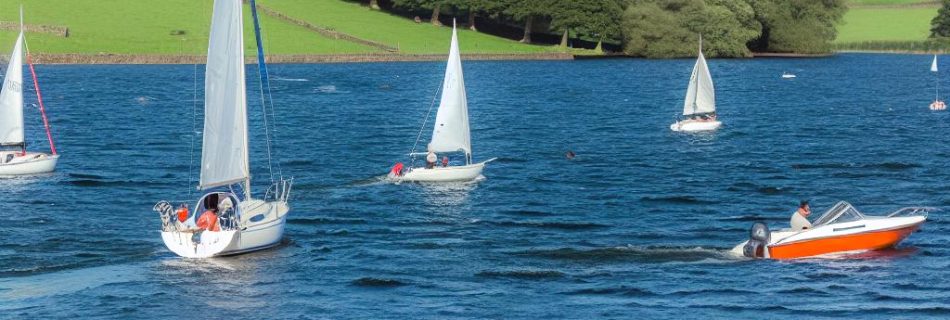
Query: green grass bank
[(170, 28)]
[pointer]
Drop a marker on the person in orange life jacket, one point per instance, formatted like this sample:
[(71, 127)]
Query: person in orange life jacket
[(182, 212), (209, 220)]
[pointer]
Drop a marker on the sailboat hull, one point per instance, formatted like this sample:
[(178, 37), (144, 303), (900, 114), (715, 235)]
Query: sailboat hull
[(695, 126), (441, 174), (14, 164), (262, 228)]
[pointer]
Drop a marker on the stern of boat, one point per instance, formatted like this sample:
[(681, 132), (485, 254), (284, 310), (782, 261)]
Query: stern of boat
[(14, 163), (695, 126)]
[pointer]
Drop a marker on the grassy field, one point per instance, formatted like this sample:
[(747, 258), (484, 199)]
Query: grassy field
[(408, 36), (885, 24), (133, 27), (147, 27), (854, 3)]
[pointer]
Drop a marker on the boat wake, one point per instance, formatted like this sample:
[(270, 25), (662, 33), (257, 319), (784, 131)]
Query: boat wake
[(66, 282), (289, 79), (641, 254)]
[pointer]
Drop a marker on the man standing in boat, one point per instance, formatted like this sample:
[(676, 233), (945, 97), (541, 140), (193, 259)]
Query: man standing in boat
[(799, 219), (430, 160)]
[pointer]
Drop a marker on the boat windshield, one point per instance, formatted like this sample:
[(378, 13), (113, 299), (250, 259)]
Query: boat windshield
[(840, 212)]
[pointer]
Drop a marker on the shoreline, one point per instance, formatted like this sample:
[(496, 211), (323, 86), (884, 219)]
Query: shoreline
[(145, 59), (73, 58)]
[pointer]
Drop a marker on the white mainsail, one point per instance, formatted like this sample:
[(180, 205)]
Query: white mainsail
[(700, 96), (933, 65), (11, 98), (224, 153), (451, 132)]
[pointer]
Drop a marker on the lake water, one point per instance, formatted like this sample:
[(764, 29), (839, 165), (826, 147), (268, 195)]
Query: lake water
[(638, 225)]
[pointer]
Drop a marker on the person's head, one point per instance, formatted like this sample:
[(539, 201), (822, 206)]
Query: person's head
[(803, 206)]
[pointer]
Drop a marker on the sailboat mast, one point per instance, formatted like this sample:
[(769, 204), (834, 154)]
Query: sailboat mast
[(696, 97), (36, 86), (265, 85)]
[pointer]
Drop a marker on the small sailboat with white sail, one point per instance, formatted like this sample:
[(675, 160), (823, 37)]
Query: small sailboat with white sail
[(699, 107), (231, 220), (15, 160), (450, 134), (938, 104)]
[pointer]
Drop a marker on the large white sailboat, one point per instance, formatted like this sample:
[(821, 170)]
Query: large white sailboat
[(450, 133), (226, 220), (14, 159), (699, 107)]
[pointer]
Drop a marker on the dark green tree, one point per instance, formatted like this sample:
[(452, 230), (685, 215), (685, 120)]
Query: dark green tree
[(593, 18), (473, 8), (940, 25), (671, 28), (527, 11), (434, 5), (800, 26)]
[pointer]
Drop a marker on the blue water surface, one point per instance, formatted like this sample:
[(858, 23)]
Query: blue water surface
[(638, 225)]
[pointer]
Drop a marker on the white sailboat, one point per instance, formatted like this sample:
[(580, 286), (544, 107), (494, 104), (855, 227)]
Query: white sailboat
[(230, 220), (937, 105), (450, 134), (699, 107), (14, 159)]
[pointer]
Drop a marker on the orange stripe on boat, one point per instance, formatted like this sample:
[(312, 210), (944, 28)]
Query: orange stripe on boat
[(852, 242)]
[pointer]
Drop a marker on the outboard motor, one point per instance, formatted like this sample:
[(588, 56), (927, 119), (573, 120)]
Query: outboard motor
[(759, 237)]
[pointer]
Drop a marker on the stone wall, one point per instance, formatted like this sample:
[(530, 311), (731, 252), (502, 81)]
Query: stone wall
[(36, 28)]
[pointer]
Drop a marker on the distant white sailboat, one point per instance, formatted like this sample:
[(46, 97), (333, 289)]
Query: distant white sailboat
[(231, 221), (699, 107), (786, 75), (451, 133), (937, 105), (18, 161)]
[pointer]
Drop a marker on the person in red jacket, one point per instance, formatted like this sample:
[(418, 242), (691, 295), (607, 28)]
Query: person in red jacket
[(209, 221)]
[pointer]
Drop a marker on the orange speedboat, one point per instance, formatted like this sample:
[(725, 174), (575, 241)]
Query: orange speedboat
[(842, 229)]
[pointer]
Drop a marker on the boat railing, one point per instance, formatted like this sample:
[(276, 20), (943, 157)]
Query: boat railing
[(166, 212), (912, 211), (279, 191)]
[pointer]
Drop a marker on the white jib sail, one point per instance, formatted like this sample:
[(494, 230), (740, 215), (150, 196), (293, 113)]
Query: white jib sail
[(11, 98), (224, 153), (700, 96), (451, 132), (933, 65)]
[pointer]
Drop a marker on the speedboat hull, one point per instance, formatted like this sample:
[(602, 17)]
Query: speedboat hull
[(262, 227), (12, 163), (870, 233), (695, 126), (864, 241), (441, 174)]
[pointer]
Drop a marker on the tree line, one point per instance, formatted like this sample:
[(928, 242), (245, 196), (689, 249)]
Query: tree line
[(655, 28)]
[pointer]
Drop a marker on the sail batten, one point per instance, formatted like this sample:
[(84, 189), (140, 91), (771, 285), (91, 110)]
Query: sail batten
[(451, 131), (11, 99), (224, 154), (701, 94)]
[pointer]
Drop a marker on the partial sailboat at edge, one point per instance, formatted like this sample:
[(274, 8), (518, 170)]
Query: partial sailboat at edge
[(15, 160), (450, 134), (699, 107)]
